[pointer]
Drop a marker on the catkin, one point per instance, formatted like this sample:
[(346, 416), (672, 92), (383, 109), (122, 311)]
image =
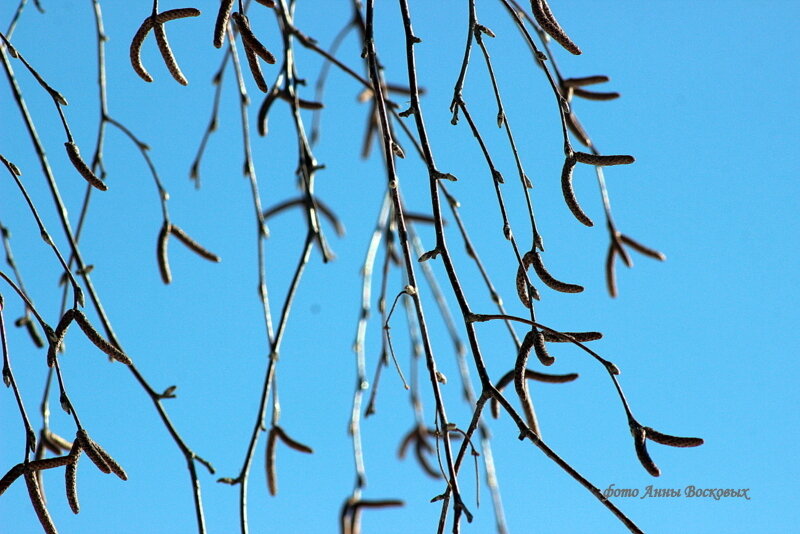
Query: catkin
[(672, 441), (37, 501), (529, 375), (193, 245), (60, 332), (626, 258), (585, 80), (401, 451), (136, 49), (263, 112), (169, 57), (548, 279), (577, 129), (567, 337), (84, 170), (641, 451), (71, 482), (163, 45), (110, 462), (46, 441), (420, 447), (249, 38), (296, 445), (611, 275), (161, 253), (48, 463), (59, 441), (638, 247), (524, 350), (596, 159), (541, 349), (91, 452), (545, 18), (255, 69), (175, 14), (34, 334), (221, 25), (272, 475), (301, 103), (98, 340), (383, 503), (11, 476), (595, 95), (522, 283), (569, 192)]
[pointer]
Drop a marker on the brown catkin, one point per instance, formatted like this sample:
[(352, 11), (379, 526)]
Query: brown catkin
[(383, 503), (577, 129), (221, 25), (638, 247), (86, 446), (110, 462), (584, 80), (526, 346), (11, 476), (193, 245), (569, 192), (161, 253), (548, 279), (266, 3), (84, 170), (37, 501), (309, 104), (626, 258), (255, 69), (641, 451), (522, 361), (71, 482), (567, 337), (541, 349), (596, 159), (545, 18), (99, 341), (272, 475), (47, 442), (249, 38), (301, 103), (595, 95), (296, 445), (48, 463), (144, 29), (263, 112), (522, 283), (672, 441), (401, 451), (175, 14), (611, 275), (33, 333), (136, 49), (529, 375), (59, 441), (169, 57), (420, 447), (61, 330)]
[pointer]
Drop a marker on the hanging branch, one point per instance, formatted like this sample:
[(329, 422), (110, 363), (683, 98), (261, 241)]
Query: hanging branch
[(438, 444)]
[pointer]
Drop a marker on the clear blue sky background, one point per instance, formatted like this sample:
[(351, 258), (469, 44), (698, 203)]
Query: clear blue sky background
[(704, 341)]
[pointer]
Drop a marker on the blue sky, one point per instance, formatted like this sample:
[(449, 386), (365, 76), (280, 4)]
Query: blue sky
[(704, 340)]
